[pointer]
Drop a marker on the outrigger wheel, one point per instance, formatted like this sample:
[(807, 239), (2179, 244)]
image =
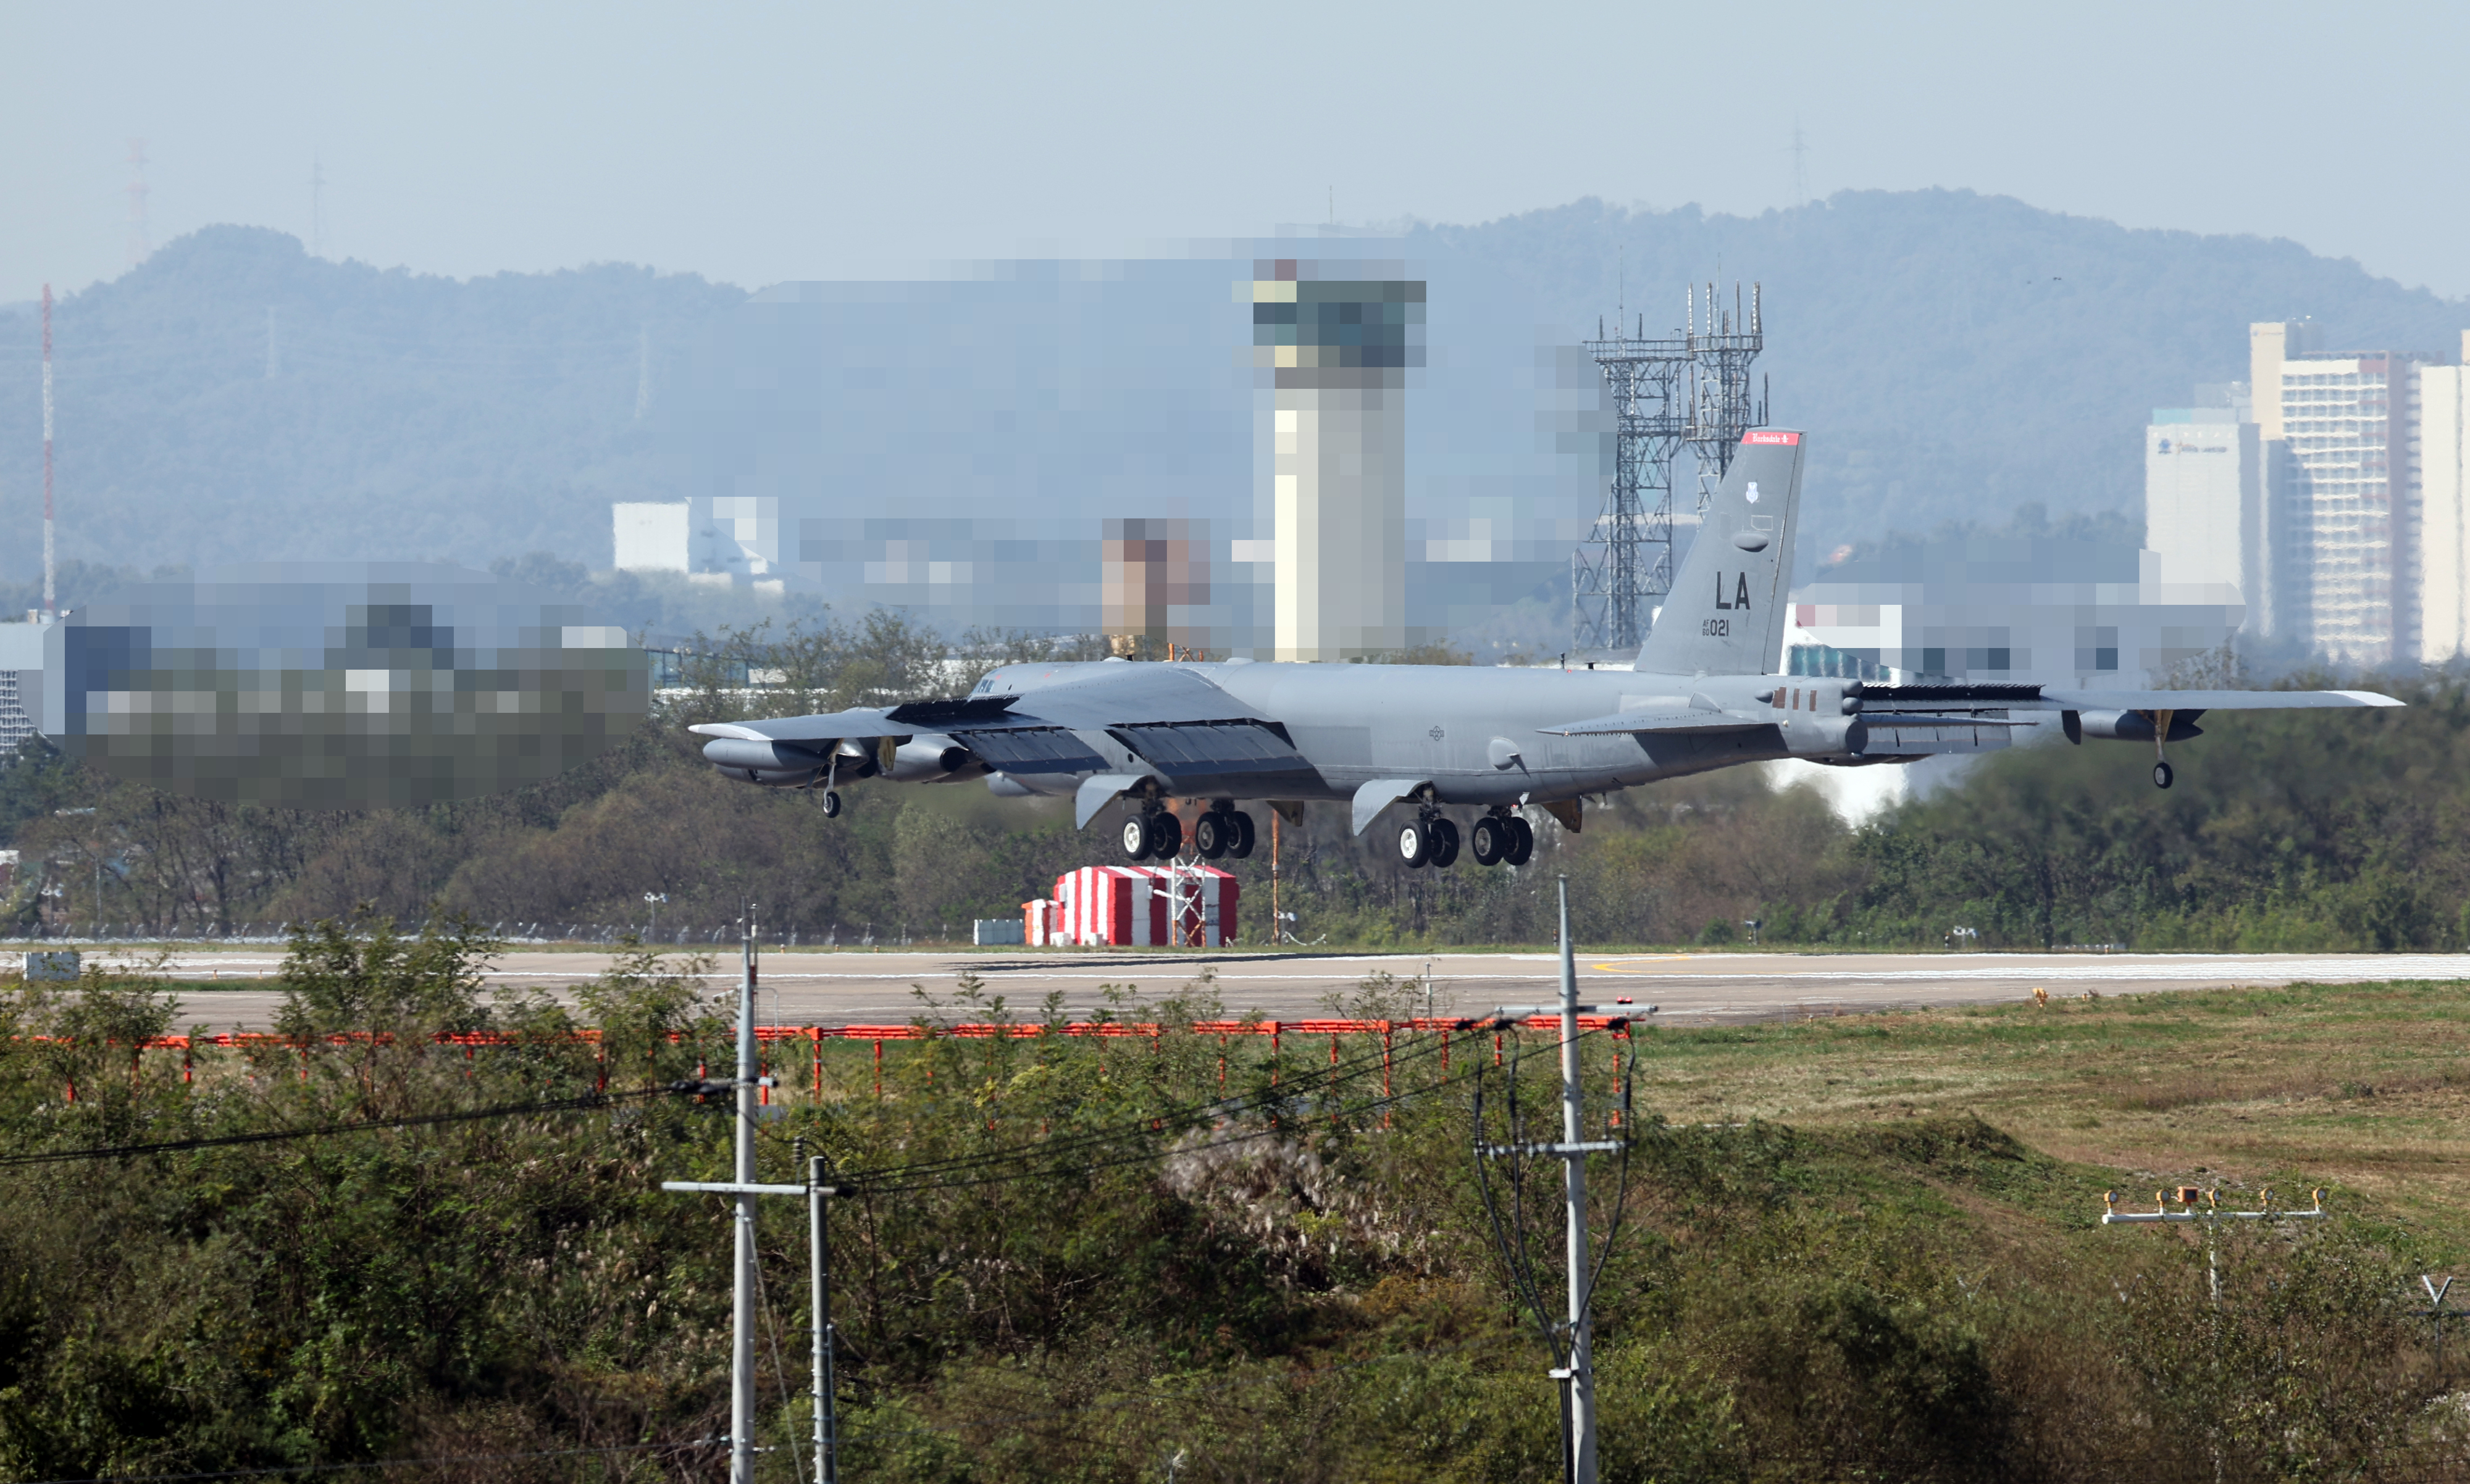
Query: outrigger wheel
[(2161, 775), (831, 801)]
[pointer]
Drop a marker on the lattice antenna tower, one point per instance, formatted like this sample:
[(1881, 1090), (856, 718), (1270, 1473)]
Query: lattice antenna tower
[(51, 586), (1721, 403), (1625, 566), (1690, 389)]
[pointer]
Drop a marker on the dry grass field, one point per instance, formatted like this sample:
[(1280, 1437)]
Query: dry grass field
[(2360, 1088)]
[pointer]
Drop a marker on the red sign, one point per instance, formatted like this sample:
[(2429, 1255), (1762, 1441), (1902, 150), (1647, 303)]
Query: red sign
[(1760, 436)]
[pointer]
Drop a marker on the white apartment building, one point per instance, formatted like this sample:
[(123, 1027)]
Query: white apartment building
[(2441, 533), (2330, 490)]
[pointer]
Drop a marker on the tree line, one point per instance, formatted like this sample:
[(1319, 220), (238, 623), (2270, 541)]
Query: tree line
[(2287, 831)]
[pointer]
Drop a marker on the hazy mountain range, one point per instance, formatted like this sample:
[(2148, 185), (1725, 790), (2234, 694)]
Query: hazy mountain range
[(1955, 357)]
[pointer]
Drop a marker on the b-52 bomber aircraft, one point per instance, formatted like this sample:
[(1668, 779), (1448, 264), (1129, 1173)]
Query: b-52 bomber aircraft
[(1436, 739)]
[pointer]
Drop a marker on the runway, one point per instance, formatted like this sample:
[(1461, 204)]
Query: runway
[(802, 986)]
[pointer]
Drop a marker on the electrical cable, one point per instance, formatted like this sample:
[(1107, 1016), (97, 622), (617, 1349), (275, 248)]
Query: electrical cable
[(780, 1372), (1141, 1127), (943, 1175), (586, 1104), (372, 1463)]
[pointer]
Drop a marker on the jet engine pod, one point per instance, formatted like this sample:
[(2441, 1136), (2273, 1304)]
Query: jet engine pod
[(1826, 736), (339, 685), (927, 759), (742, 758), (2137, 726)]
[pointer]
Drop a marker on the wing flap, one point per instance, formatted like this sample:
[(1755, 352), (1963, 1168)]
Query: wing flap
[(1031, 750), (1212, 749), (1691, 720)]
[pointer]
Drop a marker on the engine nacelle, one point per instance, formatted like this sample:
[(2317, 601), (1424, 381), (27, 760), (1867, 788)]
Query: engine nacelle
[(786, 764), (929, 758), (1825, 737)]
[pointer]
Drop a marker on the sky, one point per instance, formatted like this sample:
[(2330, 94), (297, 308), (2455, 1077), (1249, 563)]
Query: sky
[(756, 144)]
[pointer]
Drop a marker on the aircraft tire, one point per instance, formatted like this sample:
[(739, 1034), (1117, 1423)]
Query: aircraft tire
[(1139, 840), (1522, 842), (831, 803), (1210, 835), (2163, 776), (1445, 852), (1242, 848), (1168, 841), (1489, 840), (1414, 844)]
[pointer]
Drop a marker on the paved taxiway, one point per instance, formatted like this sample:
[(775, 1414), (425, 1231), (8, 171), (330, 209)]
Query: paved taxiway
[(804, 988)]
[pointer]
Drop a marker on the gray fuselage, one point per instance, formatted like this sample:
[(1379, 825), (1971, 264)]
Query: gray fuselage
[(1446, 724)]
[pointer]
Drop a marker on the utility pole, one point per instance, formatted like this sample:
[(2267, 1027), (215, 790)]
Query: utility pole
[(1582, 1367), (1572, 1341), (741, 1355), (745, 1190), (819, 1254), (741, 1350)]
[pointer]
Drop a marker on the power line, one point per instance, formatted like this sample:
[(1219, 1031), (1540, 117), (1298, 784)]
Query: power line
[(585, 1103), (374, 1463)]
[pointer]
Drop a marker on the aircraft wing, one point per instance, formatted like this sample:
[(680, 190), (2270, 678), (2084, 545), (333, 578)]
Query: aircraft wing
[(2209, 700), (1178, 724)]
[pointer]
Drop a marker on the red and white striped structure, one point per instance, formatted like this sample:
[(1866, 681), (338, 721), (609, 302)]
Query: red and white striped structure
[(1138, 907), (1040, 922)]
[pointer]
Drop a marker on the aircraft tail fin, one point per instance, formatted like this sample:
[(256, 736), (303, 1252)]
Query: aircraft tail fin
[(1725, 613)]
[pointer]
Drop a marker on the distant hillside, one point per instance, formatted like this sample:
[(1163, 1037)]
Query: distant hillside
[(1957, 356), (404, 416)]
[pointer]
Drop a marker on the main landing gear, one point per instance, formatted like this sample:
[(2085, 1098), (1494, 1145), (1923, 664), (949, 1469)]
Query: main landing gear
[(1498, 837), (1155, 834), (1502, 839), (2163, 776), (1429, 839)]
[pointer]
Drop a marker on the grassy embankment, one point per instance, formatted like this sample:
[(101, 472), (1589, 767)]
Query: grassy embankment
[(1855, 1247)]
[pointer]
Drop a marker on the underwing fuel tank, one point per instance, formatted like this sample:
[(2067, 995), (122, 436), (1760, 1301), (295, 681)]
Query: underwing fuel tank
[(2126, 726)]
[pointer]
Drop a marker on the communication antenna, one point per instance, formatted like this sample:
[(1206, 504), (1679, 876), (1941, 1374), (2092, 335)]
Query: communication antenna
[(51, 589), (140, 244)]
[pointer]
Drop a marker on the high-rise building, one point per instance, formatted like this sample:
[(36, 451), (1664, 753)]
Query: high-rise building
[(2205, 511), (1336, 352), (2341, 423), (2440, 461)]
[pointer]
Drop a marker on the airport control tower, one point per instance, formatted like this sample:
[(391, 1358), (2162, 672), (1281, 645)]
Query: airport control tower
[(1337, 350)]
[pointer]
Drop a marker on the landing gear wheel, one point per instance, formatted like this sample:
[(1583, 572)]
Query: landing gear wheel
[(1445, 852), (1242, 846), (1415, 844), (1139, 840), (831, 803), (1522, 841), (2163, 776), (1212, 834), (1168, 841), (1489, 840)]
